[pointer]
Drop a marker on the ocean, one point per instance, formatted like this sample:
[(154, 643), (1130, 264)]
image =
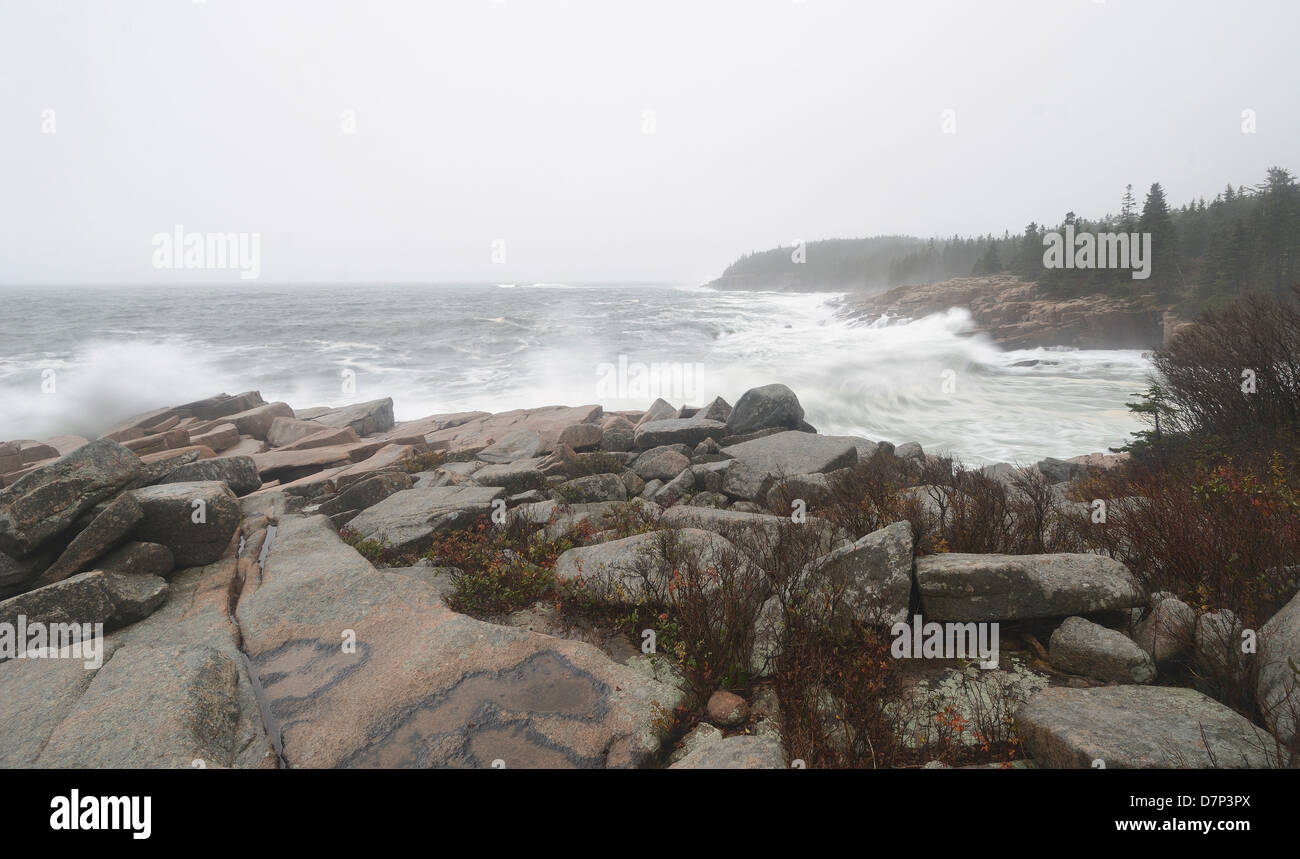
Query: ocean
[(77, 359)]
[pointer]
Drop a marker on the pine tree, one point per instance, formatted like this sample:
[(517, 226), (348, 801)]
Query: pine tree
[(1128, 210), (1164, 242)]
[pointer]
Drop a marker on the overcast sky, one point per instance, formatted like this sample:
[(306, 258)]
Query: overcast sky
[(605, 140)]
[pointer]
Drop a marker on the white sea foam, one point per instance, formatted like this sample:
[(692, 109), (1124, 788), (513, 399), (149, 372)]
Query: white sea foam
[(454, 349)]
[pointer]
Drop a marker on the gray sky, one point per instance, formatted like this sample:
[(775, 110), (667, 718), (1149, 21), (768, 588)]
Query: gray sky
[(525, 121)]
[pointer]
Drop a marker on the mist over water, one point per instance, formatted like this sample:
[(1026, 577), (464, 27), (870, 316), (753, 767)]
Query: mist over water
[(120, 351)]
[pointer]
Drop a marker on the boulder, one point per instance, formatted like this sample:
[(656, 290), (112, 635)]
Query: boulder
[(87, 598), (194, 520), (581, 436), (910, 450), (237, 472), (287, 430), (364, 418), (407, 520), (1279, 685), (808, 488), (1168, 632), (766, 407), (328, 437), (688, 431), (1136, 727), (758, 463), (673, 490), (295, 464), (660, 410), (424, 686), (1059, 470), (662, 464), (390, 457), (513, 477), (593, 487), (962, 588), (477, 431), (632, 483), (139, 559), (1079, 646), (223, 405), (718, 410), (42, 504), (17, 574), (105, 531), (726, 709), (367, 492), (221, 437), (870, 579), (623, 570), (741, 752), (256, 422), (517, 445)]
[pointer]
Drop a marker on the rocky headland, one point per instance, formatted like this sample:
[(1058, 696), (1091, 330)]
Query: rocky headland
[(268, 583), (1016, 315)]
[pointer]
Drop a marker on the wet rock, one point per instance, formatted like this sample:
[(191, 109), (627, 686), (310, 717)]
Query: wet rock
[(87, 598), (194, 520), (237, 472), (193, 712), (139, 559), (43, 503), (106, 530), (36, 695), (455, 692)]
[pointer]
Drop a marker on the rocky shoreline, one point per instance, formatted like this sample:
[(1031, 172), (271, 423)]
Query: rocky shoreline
[(243, 631), (1017, 316)]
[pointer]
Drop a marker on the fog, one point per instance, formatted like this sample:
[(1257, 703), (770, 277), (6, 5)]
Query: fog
[(606, 141)]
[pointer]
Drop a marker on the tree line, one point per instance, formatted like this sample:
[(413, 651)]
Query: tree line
[(1204, 252)]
